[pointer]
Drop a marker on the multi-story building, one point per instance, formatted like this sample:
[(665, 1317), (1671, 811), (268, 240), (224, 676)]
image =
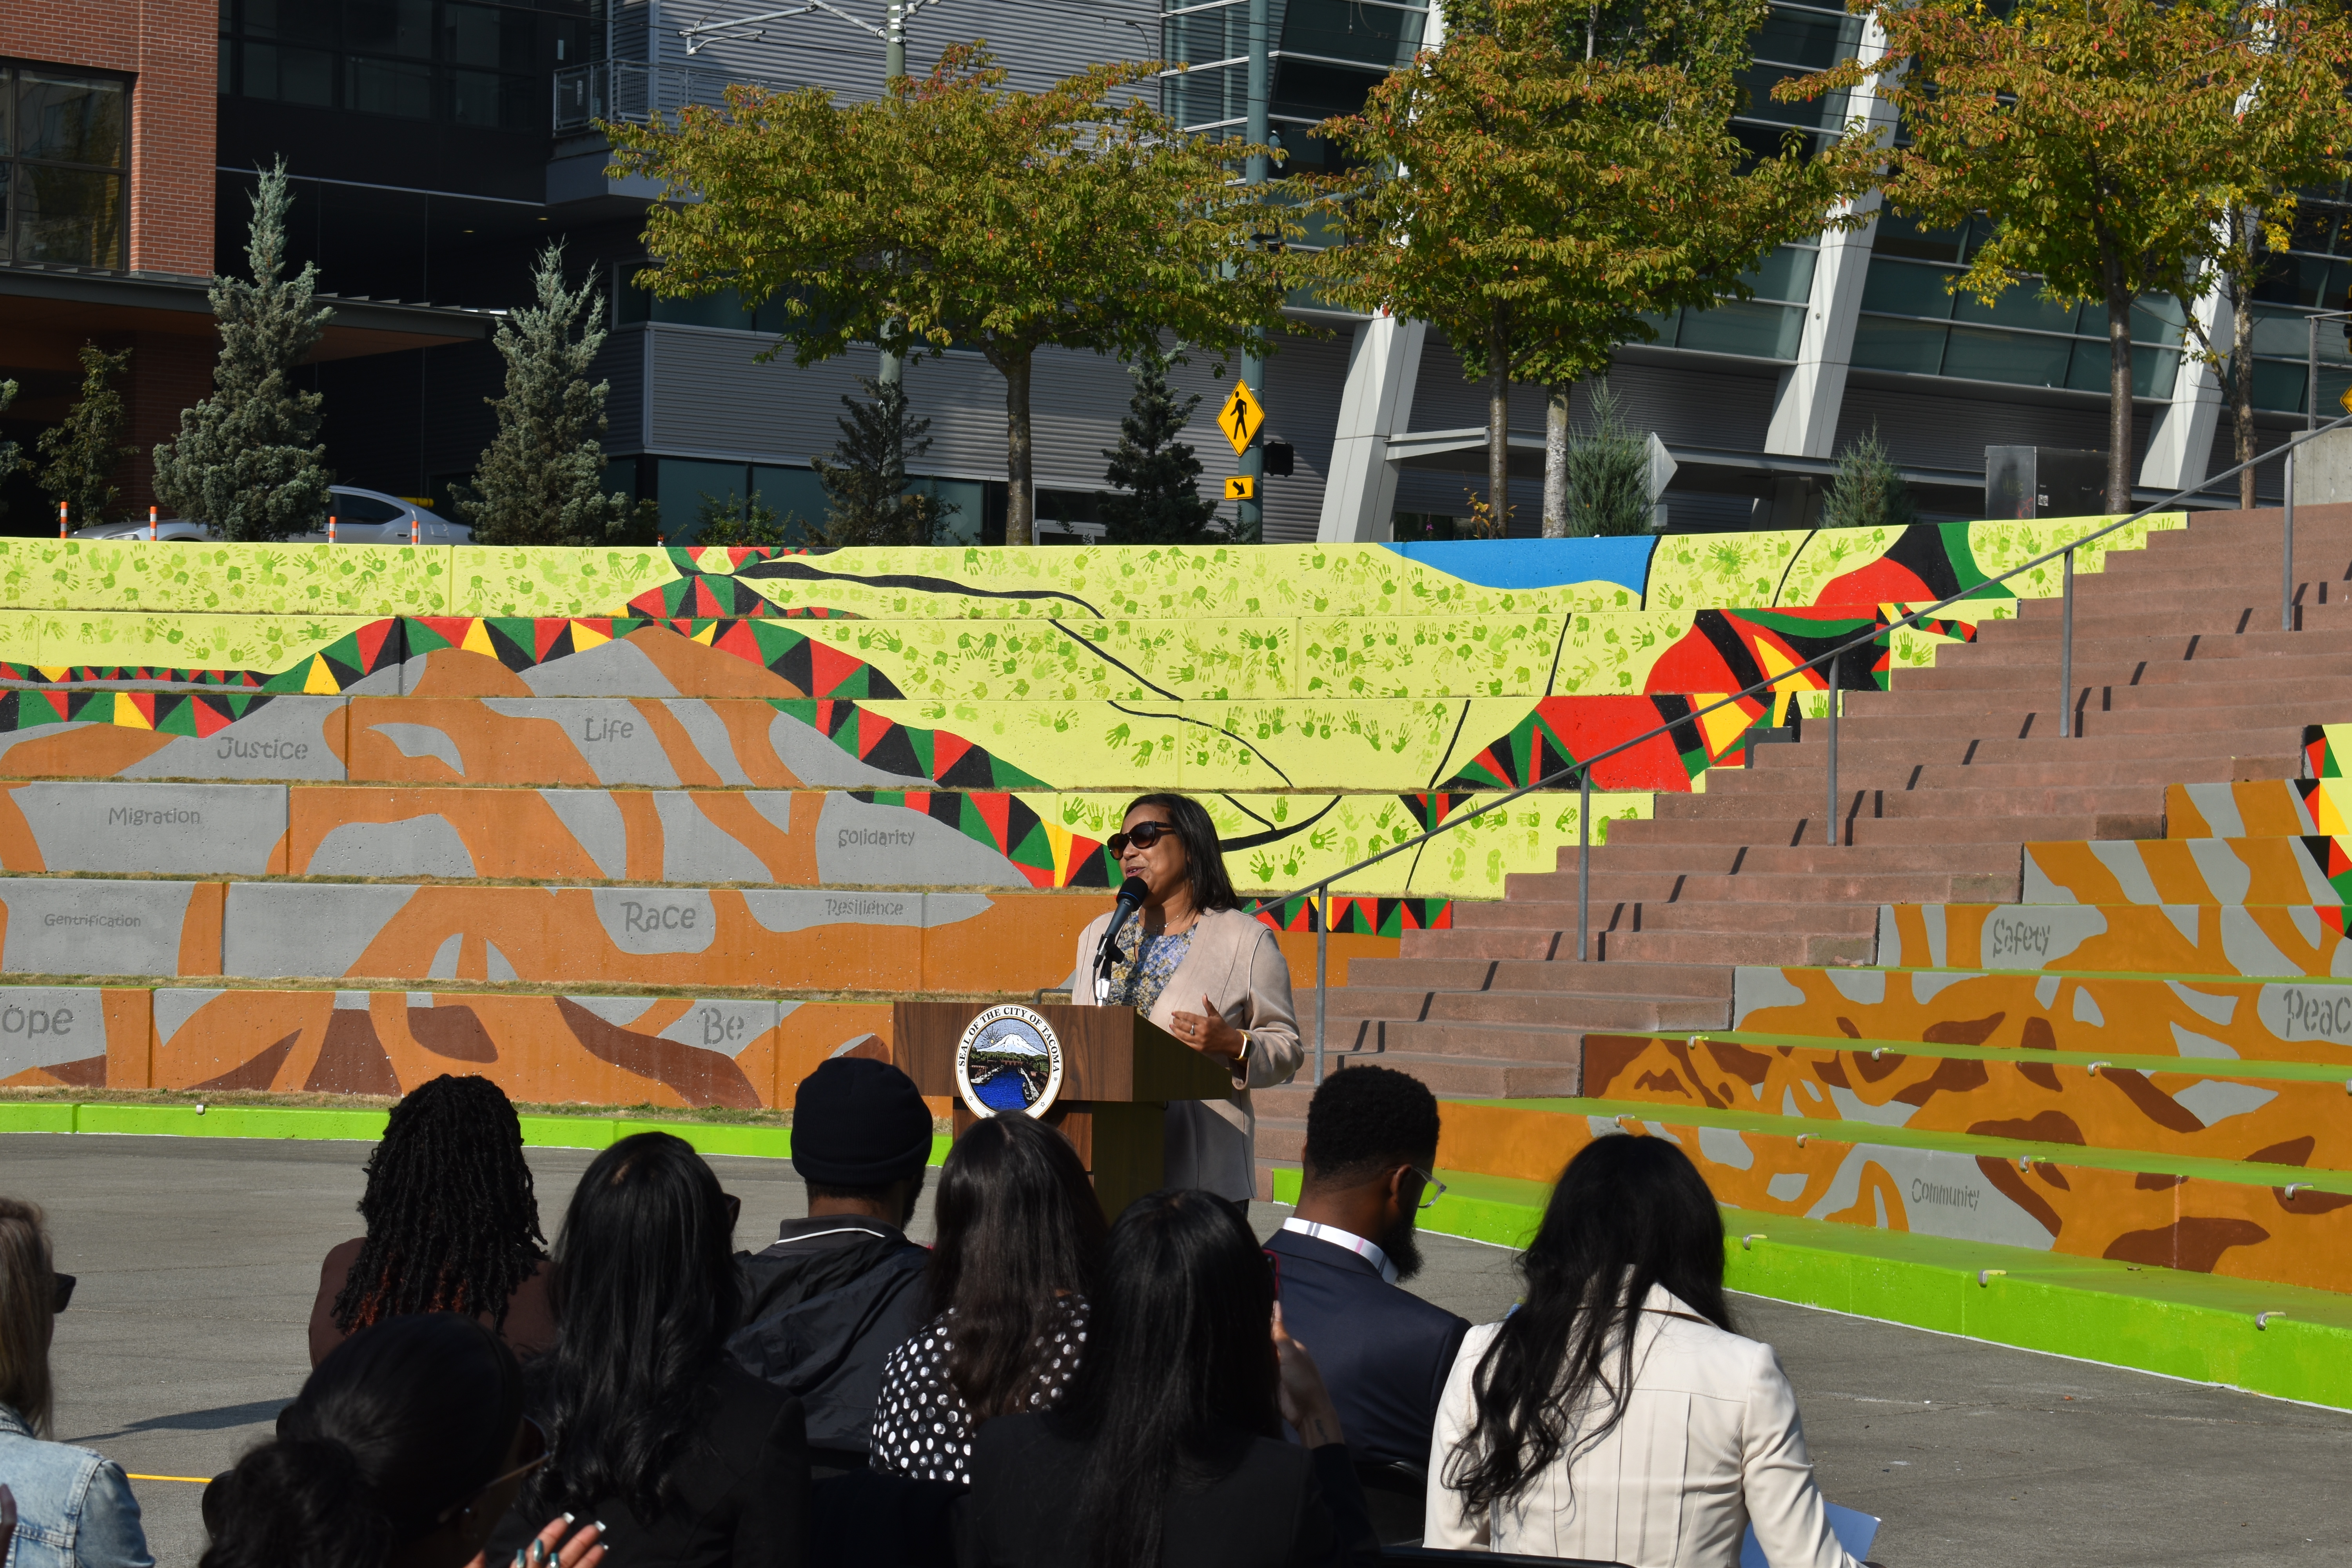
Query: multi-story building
[(435, 145)]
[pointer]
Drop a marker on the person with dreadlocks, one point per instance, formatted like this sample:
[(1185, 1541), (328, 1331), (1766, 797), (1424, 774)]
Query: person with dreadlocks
[(452, 1225)]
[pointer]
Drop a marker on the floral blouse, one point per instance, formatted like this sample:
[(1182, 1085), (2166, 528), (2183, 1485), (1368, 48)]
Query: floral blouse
[(1142, 964), (921, 1426)]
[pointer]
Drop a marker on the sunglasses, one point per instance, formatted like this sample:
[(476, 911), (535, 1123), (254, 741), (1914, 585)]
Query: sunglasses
[(534, 1444), (64, 1284), (1143, 836)]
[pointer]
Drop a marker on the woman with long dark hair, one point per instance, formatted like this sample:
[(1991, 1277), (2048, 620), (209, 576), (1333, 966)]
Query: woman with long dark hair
[(452, 1224), (1020, 1234), (686, 1458), (1617, 1415), (1168, 1448), (1188, 947), (401, 1451)]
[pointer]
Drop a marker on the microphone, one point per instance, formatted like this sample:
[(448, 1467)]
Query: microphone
[(1131, 894)]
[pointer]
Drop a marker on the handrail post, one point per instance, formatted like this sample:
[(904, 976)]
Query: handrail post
[(2066, 654), (1322, 969), (2287, 569), (1583, 864), (1833, 729)]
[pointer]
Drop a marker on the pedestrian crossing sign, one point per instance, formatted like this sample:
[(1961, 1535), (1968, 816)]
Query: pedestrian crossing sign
[(1242, 416), (1240, 488)]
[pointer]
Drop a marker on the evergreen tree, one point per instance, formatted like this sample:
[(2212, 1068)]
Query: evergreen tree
[(1867, 492), (1608, 472), (1157, 498), (865, 479), (82, 452), (737, 520), (248, 459), (541, 479), (11, 456)]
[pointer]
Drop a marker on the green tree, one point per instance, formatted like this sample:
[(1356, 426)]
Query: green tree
[(741, 520), (954, 210), (83, 452), (1607, 468), (2292, 132), (1567, 171), (1156, 477), (864, 479), (541, 479), (248, 459), (1867, 491), (12, 457), (2100, 138)]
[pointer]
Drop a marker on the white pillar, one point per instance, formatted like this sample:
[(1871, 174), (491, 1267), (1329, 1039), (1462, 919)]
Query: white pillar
[(1359, 493), (2180, 441), (1805, 408)]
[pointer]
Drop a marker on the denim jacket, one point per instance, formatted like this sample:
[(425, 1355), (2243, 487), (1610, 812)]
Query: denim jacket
[(74, 1509)]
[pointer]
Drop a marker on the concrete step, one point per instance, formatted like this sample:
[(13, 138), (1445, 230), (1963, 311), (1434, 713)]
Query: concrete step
[(1440, 970), (1993, 705), (2097, 716), (1550, 889), (1623, 854), (1951, 673), (2040, 746), (2216, 643), (1463, 1076), (1736, 947), (1860, 828), (1551, 1010)]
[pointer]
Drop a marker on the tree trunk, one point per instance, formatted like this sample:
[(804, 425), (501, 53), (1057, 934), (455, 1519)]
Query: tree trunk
[(1020, 497), (1499, 434), (1554, 501), (2119, 395)]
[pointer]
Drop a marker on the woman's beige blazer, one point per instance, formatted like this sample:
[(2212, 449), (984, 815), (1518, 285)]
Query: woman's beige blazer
[(1709, 1443), (1232, 960)]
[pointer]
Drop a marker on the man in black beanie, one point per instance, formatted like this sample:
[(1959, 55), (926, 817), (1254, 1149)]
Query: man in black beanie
[(839, 1290)]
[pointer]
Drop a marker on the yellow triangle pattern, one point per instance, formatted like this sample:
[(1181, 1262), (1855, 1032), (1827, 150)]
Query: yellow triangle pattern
[(127, 715), (321, 681)]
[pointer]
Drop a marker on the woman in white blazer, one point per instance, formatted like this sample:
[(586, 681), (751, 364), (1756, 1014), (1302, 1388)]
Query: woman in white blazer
[(1613, 1414), (1193, 963)]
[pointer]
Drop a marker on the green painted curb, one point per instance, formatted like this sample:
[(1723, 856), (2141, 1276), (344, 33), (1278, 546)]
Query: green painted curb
[(367, 1126), (2200, 1327)]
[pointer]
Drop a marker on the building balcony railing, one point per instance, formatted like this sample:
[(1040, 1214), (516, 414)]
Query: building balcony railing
[(638, 91)]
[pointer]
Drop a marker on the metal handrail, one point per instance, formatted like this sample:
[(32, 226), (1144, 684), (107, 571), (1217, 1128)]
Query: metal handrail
[(1320, 890)]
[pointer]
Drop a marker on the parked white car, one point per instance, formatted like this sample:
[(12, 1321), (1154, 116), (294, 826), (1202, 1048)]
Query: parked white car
[(361, 517)]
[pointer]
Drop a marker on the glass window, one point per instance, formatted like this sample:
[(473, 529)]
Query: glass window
[(1983, 353), (796, 497), (487, 35), (1786, 274), (969, 500), (69, 215), (290, 76), (297, 21), (1813, 40), (683, 483), (1744, 327), (70, 120), (390, 26), (1205, 37), (392, 87), (2019, 305), (63, 144), (1900, 288), (1900, 235), (1916, 348), (1337, 29), (350, 507)]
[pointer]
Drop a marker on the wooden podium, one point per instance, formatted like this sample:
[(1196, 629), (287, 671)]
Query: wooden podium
[(1119, 1073)]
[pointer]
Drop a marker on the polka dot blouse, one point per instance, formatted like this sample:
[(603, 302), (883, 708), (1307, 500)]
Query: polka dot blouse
[(921, 1427)]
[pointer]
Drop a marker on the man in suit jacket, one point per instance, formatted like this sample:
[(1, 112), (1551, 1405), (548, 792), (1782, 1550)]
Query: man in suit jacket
[(1371, 1140)]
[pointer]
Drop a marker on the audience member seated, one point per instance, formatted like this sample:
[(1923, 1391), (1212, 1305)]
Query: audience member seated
[(72, 1507), (1615, 1415), (842, 1289), (1168, 1448), (1020, 1236), (402, 1450), (1371, 1143), (452, 1224), (684, 1458)]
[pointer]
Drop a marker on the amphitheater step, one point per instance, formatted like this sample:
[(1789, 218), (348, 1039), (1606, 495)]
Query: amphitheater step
[(2263, 1112), (2274, 870), (2201, 1018), (2163, 1210), (2265, 807), (2250, 941)]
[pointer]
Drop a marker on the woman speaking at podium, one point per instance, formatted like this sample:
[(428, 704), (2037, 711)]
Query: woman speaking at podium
[(1192, 962)]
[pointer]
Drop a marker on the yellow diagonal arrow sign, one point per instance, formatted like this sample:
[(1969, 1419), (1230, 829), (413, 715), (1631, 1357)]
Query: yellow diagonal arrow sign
[(1241, 417)]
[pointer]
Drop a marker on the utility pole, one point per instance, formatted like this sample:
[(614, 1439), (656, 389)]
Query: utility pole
[(1253, 510), (892, 370)]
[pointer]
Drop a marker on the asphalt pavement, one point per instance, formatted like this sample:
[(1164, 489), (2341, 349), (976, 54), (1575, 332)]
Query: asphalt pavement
[(198, 1261)]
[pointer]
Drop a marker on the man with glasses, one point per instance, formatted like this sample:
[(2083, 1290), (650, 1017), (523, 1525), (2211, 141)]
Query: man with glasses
[(1341, 1258)]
